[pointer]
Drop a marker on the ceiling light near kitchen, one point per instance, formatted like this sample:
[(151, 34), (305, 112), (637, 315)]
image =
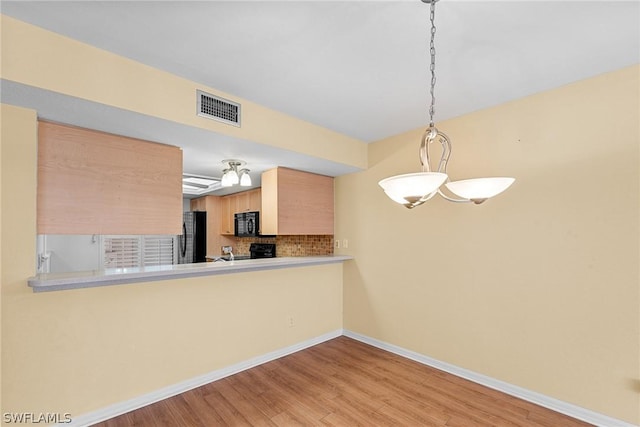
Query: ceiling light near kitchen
[(232, 176)]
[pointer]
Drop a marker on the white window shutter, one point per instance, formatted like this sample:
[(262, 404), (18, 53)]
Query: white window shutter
[(137, 251), (121, 251), (157, 250)]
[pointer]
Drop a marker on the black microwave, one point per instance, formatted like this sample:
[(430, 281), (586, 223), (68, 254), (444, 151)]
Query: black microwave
[(246, 224)]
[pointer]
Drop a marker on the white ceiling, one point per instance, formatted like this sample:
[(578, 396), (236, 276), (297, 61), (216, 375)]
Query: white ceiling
[(360, 68)]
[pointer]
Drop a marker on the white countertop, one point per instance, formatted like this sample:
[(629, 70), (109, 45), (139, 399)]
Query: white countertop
[(118, 276)]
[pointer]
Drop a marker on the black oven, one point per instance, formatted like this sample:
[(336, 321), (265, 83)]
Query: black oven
[(247, 224), (262, 250)]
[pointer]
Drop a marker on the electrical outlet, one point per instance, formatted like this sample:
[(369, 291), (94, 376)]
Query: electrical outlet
[(337, 243), (345, 243), (290, 321)]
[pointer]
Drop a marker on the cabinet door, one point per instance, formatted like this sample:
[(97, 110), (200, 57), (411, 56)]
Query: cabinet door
[(199, 204), (296, 203), (214, 216), (255, 200), (226, 223), (269, 203), (242, 202)]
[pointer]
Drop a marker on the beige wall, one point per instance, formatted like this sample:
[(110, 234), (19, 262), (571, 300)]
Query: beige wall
[(81, 350), (18, 141), (538, 287)]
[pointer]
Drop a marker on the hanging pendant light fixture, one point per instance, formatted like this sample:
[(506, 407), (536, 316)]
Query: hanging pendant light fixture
[(232, 176), (414, 189)]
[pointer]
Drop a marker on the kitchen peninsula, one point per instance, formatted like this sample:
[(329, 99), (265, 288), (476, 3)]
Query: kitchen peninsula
[(118, 276)]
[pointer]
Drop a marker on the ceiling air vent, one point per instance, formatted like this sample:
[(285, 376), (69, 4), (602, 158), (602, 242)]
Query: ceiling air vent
[(216, 108)]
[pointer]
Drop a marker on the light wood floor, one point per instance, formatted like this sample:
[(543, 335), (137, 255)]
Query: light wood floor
[(342, 382)]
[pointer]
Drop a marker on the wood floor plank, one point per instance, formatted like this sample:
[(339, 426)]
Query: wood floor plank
[(296, 395), (296, 405), (182, 418), (360, 410), (244, 404), (229, 414), (195, 403), (343, 382), (263, 401), (400, 412)]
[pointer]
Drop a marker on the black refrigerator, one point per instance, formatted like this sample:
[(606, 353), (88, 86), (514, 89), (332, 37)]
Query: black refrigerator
[(192, 243)]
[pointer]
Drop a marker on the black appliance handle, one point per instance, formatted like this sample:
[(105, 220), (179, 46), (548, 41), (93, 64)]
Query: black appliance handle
[(183, 240)]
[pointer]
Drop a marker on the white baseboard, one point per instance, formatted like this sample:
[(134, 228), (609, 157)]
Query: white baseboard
[(569, 409), (164, 393)]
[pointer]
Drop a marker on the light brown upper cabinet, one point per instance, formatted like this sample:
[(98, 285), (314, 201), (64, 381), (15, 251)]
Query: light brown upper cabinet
[(255, 200), (226, 219), (91, 182), (248, 201), (296, 203), (245, 201), (199, 204), (241, 202)]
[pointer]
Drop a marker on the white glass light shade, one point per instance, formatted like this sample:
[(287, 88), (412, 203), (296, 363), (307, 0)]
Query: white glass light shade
[(410, 188), (245, 180), (480, 189), (233, 177), (226, 180)]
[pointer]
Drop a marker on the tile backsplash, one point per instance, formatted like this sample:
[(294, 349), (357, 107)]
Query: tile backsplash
[(289, 245)]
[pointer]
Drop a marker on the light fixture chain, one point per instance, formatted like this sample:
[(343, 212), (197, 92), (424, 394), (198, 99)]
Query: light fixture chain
[(432, 67)]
